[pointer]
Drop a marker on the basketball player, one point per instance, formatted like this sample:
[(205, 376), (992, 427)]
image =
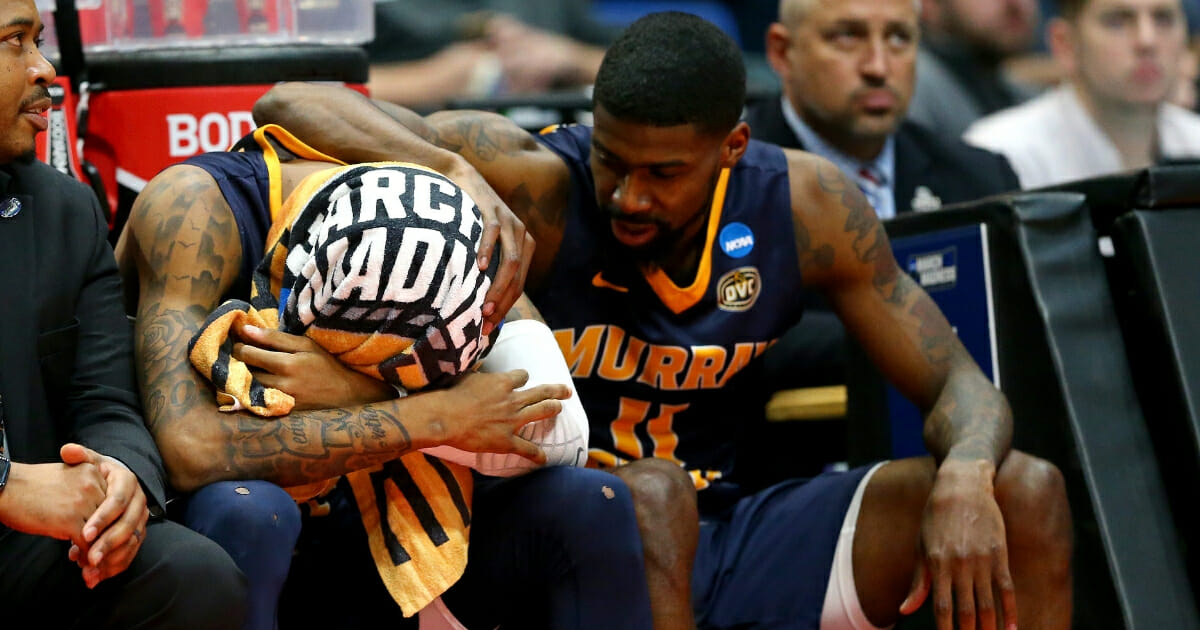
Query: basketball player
[(562, 538), (671, 251)]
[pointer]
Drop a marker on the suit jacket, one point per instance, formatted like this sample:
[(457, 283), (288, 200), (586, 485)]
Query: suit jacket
[(950, 171), (66, 348)]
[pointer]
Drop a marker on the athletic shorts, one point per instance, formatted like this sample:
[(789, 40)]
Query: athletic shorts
[(765, 562)]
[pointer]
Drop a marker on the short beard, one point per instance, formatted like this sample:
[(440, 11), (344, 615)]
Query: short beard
[(656, 249)]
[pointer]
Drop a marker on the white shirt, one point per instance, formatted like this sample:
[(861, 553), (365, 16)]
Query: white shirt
[(875, 178), (1053, 139)]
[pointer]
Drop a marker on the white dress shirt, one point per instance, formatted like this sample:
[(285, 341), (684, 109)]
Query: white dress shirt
[(875, 178), (1053, 139)]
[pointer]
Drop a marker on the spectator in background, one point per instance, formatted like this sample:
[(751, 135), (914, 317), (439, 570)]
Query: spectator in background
[(965, 44), (1122, 59), (847, 69), (425, 54)]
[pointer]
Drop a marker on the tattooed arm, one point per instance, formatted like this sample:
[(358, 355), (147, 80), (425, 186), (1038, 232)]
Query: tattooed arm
[(968, 426), (532, 180), (845, 253), (183, 245)]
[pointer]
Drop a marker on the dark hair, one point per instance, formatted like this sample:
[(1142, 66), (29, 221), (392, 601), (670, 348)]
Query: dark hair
[(1069, 9), (671, 69)]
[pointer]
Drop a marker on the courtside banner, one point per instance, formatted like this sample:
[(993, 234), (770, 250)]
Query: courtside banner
[(134, 134), (953, 267)]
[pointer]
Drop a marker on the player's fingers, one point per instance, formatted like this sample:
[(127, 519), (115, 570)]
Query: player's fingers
[(269, 360), (267, 379), (499, 295), (526, 260), (546, 392), (985, 602), (269, 339), (921, 583), (1003, 583), (540, 411), (519, 378), (943, 594), (491, 232), (528, 450), (964, 594)]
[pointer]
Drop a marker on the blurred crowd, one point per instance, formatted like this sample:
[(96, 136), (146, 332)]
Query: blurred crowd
[(1105, 67)]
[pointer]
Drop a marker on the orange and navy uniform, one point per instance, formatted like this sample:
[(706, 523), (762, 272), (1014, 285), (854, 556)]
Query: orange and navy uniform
[(654, 362)]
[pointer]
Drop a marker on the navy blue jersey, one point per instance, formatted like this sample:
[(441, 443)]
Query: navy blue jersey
[(249, 180), (653, 361)]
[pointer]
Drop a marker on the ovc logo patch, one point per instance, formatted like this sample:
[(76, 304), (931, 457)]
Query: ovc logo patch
[(736, 240), (738, 289)]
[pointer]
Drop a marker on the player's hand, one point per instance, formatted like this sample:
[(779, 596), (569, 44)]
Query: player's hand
[(483, 411), (55, 499), (516, 245), (113, 533), (965, 556), (300, 367)]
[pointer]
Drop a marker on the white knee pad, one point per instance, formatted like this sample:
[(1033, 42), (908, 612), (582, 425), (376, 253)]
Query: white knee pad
[(529, 345)]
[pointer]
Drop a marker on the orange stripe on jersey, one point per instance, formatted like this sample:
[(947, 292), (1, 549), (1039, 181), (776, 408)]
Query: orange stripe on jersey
[(581, 357), (707, 362), (631, 413), (681, 299), (271, 157), (665, 438), (742, 353), (663, 365), (704, 479), (623, 370), (599, 458)]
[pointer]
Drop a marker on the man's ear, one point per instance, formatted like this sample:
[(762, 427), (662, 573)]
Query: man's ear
[(1061, 39), (778, 41), (734, 146)]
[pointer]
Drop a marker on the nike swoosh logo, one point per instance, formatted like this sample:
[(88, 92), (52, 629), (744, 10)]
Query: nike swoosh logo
[(599, 281)]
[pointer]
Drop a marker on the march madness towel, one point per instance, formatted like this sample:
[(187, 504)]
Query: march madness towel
[(377, 263)]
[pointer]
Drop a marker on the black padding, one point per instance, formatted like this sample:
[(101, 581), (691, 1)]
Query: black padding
[(1130, 506), (1064, 370), (1158, 287), (230, 65), (1108, 197)]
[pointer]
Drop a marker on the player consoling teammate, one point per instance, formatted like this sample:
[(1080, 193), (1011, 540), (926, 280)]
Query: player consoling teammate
[(644, 270)]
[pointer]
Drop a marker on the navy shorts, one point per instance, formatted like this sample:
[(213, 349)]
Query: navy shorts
[(765, 562)]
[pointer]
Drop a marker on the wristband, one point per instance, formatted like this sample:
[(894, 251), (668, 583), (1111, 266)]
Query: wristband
[(5, 464)]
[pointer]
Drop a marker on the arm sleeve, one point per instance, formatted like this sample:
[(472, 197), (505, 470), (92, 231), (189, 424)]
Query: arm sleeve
[(103, 398), (529, 345)]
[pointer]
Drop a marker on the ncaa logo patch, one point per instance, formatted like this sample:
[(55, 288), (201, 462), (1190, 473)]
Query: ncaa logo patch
[(736, 240), (738, 290)]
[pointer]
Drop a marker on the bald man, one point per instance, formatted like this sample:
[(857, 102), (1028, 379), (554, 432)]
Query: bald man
[(847, 68)]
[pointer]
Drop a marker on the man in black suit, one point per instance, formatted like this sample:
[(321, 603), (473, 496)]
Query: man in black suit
[(847, 68), (81, 483)]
